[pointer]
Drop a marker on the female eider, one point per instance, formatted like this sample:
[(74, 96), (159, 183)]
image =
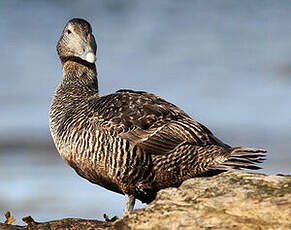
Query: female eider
[(130, 142)]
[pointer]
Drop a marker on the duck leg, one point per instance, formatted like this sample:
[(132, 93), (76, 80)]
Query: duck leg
[(129, 204)]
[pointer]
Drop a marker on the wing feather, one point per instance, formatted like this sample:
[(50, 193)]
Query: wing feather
[(148, 121)]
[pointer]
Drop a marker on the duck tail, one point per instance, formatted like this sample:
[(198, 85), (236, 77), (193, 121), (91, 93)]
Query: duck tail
[(241, 158)]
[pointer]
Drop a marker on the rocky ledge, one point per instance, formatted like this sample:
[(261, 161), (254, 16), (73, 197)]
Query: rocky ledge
[(231, 200)]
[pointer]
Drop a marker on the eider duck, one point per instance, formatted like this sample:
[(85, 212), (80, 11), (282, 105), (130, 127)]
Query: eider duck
[(130, 142)]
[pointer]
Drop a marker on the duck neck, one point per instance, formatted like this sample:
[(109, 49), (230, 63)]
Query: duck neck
[(79, 77)]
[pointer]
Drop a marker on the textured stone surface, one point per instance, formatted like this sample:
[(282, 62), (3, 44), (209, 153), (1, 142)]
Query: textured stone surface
[(227, 201), (69, 223), (232, 200)]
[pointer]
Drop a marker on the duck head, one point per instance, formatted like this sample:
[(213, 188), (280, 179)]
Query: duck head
[(77, 41)]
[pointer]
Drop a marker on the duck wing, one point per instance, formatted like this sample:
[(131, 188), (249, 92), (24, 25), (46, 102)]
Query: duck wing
[(148, 121)]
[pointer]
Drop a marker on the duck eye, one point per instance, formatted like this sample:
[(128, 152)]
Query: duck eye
[(69, 31)]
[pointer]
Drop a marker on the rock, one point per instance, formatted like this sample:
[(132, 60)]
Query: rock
[(63, 224), (231, 200)]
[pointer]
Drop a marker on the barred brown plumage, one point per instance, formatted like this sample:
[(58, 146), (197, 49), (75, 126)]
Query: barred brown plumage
[(130, 142)]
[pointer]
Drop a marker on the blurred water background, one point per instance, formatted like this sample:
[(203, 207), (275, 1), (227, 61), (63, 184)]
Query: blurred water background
[(226, 63)]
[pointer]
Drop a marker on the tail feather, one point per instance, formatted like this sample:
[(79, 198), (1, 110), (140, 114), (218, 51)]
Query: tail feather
[(241, 158)]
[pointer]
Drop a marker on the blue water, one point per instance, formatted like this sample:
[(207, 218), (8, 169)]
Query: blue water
[(226, 63)]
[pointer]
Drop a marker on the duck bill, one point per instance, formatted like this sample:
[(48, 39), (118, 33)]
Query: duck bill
[(88, 56)]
